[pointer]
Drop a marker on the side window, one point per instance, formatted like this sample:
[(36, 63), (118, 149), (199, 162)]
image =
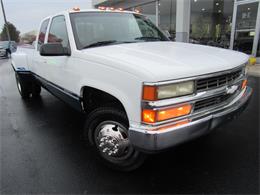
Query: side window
[(42, 33), (58, 32)]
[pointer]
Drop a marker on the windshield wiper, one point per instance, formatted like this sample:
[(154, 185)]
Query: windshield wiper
[(149, 38), (100, 43)]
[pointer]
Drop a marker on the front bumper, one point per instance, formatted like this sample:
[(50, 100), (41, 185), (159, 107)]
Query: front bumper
[(2, 53), (152, 141)]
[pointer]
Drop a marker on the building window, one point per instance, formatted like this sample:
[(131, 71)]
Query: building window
[(167, 16), (245, 27), (148, 10), (211, 22)]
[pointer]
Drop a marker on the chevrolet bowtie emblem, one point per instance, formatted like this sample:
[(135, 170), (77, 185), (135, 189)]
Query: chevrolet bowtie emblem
[(232, 89)]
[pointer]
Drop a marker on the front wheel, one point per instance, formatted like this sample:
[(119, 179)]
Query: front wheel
[(106, 129)]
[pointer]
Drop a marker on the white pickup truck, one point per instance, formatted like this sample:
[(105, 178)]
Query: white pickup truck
[(141, 92)]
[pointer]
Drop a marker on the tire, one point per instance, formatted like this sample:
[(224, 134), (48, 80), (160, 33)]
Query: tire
[(24, 88), (8, 54), (36, 90), (106, 127)]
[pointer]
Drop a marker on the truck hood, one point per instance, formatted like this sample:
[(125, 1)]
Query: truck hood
[(161, 61)]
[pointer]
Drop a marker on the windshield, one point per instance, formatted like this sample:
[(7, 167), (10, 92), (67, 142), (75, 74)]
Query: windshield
[(104, 28), (4, 43)]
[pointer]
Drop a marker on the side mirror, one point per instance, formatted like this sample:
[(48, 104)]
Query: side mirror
[(54, 49)]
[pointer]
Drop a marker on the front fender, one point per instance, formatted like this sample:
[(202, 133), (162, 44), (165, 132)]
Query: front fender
[(129, 95), (20, 62)]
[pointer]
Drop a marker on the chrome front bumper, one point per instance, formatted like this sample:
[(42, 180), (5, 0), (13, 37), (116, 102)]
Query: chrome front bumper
[(152, 141), (2, 53)]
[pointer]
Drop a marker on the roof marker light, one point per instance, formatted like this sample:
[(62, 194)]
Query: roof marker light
[(76, 9), (120, 9), (102, 8)]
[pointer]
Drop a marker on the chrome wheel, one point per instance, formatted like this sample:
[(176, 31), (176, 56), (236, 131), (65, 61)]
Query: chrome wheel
[(112, 141)]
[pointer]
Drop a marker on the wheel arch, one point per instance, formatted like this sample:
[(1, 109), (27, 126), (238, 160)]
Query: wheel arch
[(88, 93)]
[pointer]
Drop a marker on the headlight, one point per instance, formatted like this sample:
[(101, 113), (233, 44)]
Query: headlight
[(175, 90), (153, 93)]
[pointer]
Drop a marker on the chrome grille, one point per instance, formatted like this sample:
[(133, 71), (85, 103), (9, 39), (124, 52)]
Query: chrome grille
[(218, 81), (210, 102)]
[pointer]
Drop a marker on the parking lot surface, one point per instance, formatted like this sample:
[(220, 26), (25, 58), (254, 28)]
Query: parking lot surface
[(42, 152)]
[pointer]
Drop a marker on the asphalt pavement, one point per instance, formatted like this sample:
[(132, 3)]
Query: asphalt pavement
[(42, 151)]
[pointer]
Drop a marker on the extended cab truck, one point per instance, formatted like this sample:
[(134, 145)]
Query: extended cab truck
[(141, 92)]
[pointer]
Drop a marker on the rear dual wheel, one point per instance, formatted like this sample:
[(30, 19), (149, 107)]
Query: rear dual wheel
[(27, 89)]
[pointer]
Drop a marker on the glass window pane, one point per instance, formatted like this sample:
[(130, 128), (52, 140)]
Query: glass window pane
[(167, 15), (90, 28), (245, 27), (42, 33), (211, 22), (58, 31), (244, 41), (148, 10), (246, 16)]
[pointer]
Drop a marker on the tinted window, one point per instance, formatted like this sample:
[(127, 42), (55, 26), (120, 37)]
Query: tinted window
[(211, 22), (58, 31), (42, 33), (167, 16)]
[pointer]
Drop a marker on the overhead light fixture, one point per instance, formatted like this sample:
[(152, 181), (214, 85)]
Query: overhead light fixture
[(195, 1), (217, 4), (248, 8), (203, 9), (219, 11)]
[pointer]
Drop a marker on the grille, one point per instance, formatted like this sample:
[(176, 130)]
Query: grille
[(214, 101), (218, 81)]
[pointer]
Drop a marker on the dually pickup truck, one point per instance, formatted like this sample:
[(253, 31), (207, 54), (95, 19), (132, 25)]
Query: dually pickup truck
[(141, 93)]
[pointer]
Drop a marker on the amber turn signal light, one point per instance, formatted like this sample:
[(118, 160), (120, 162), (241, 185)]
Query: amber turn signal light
[(244, 84), (174, 112), (152, 116), (149, 116), (149, 93)]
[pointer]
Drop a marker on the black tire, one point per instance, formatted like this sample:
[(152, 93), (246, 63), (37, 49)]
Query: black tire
[(131, 159), (24, 88), (36, 90), (8, 54)]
